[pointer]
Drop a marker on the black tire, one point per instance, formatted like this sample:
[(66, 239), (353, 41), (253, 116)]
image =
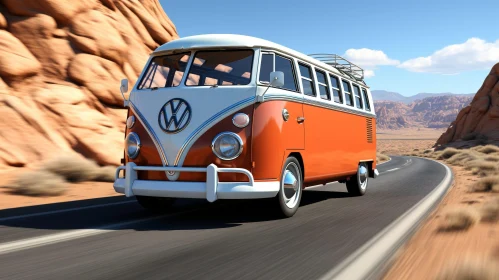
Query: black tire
[(287, 202), (357, 185), (155, 204)]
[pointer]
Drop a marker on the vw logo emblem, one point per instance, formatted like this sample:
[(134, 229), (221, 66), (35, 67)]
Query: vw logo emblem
[(174, 116)]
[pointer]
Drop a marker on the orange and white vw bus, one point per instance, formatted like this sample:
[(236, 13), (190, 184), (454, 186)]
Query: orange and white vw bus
[(236, 117)]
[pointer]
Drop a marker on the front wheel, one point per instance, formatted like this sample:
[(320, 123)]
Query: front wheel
[(357, 185), (290, 190), (155, 204)]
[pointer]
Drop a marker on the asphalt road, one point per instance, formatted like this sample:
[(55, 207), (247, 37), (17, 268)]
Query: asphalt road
[(113, 238)]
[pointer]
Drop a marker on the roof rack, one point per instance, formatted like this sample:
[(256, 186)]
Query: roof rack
[(343, 65)]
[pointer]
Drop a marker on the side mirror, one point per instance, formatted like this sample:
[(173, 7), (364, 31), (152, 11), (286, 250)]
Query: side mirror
[(277, 79), (124, 89)]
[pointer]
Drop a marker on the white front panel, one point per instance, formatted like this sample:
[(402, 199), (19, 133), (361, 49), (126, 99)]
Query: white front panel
[(205, 102)]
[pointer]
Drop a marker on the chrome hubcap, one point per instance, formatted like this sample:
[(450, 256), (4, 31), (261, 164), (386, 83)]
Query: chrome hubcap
[(290, 184), (362, 174)]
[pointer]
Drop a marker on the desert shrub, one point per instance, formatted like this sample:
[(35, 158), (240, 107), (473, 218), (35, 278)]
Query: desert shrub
[(38, 183), (459, 219), (105, 174), (427, 151), (488, 149), (491, 158), (462, 158), (381, 157), (447, 153), (470, 270), (490, 211), (486, 184), (75, 168), (481, 167)]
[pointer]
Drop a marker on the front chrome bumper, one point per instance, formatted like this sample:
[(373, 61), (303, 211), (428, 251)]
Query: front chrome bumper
[(210, 190)]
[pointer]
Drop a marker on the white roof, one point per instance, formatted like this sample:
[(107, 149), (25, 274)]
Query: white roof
[(235, 40)]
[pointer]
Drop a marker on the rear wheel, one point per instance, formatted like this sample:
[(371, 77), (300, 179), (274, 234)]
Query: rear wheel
[(357, 185), (155, 204), (290, 190)]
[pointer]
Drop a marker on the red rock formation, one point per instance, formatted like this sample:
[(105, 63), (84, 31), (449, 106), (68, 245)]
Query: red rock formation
[(60, 66), (433, 112), (481, 117)]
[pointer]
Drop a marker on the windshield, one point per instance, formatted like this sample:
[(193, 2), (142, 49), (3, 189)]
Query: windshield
[(222, 68), (165, 71)]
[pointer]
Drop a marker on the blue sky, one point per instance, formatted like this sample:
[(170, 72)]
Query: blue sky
[(406, 46)]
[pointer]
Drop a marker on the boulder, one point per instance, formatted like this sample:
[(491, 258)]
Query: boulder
[(481, 118), (60, 66), (87, 69), (16, 61), (3, 22), (87, 34)]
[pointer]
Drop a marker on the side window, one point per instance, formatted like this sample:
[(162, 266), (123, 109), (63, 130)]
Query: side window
[(266, 66), (307, 80), (335, 86), (164, 71), (348, 93), (286, 66), (358, 99), (282, 64), (366, 99), (322, 83)]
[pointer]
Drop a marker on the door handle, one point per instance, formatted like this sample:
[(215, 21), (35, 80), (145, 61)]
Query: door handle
[(300, 119)]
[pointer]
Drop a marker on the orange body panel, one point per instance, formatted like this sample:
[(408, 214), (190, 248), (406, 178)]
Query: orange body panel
[(335, 142), (273, 137), (330, 142)]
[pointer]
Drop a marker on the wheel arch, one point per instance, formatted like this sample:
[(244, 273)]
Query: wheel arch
[(299, 157)]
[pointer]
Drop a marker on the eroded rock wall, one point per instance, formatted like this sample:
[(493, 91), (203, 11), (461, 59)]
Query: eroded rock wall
[(481, 117), (60, 66)]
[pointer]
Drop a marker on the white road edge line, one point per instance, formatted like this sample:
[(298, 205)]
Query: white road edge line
[(64, 210), (15, 246), (373, 257)]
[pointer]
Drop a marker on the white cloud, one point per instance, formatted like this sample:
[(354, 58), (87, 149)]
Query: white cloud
[(369, 73), (369, 59), (474, 54)]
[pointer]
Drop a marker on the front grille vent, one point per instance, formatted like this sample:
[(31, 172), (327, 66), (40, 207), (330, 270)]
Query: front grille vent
[(369, 125)]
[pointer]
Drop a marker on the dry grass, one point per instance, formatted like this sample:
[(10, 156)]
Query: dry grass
[(487, 149), (51, 178), (427, 151), (447, 153), (462, 158), (470, 270), (490, 211), (492, 158), (481, 167), (459, 219), (486, 184), (381, 158), (105, 174), (38, 183), (75, 168)]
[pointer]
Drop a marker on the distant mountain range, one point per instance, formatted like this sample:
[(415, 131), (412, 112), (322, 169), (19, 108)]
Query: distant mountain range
[(436, 111), (383, 95)]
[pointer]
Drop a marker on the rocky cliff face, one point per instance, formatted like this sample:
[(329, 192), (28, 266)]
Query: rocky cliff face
[(432, 112), (479, 119), (60, 66)]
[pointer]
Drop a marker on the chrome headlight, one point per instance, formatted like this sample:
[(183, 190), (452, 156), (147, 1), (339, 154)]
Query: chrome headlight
[(132, 145), (227, 145)]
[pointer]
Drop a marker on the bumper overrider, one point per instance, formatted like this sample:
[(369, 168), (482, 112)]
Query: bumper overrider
[(210, 190)]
